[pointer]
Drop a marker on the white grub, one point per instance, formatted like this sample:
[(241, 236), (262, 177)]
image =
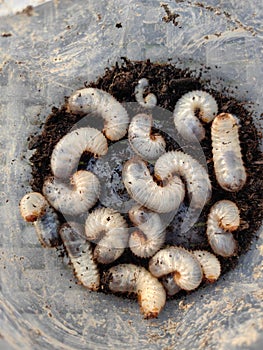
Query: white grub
[(186, 269), (147, 145), (135, 279), (149, 237), (196, 177), (185, 120), (107, 228), (169, 284), (210, 264), (228, 164), (75, 197), (150, 101), (99, 102), (67, 152), (35, 208), (80, 254), (222, 220), (143, 189)]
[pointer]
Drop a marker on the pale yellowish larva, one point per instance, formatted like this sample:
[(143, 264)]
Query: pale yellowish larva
[(210, 265), (74, 197), (143, 189), (186, 269), (150, 235), (223, 219), (99, 102), (187, 107), (107, 228), (80, 254), (147, 145), (169, 284), (228, 164), (150, 101), (135, 279), (67, 152), (34, 208)]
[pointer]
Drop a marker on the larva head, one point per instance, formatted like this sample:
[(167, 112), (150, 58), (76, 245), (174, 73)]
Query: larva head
[(134, 168), (32, 206), (80, 101), (139, 215)]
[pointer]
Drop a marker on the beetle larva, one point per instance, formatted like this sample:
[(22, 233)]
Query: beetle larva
[(109, 230), (186, 269), (228, 164), (99, 102), (34, 208), (169, 284), (185, 120), (150, 101), (147, 145), (135, 279), (80, 254), (150, 235), (142, 188), (222, 220), (67, 152), (75, 197), (210, 265)]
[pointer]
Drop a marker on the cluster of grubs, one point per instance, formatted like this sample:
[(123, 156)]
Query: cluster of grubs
[(73, 192)]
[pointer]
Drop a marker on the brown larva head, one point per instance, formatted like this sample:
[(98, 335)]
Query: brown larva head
[(32, 206)]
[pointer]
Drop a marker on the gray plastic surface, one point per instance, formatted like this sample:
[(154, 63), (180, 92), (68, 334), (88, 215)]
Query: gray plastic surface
[(47, 56)]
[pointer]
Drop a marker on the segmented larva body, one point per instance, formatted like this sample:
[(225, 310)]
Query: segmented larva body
[(135, 279), (186, 269), (34, 208), (67, 152), (150, 235), (210, 265), (143, 189), (99, 102), (109, 230), (75, 197), (150, 101), (80, 254), (228, 164), (147, 145), (196, 177), (169, 284), (185, 120), (222, 220)]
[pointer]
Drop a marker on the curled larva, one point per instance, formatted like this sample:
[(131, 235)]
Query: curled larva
[(135, 279), (223, 218), (74, 197), (107, 228), (185, 120), (150, 101), (186, 269), (147, 145), (34, 208), (99, 102), (149, 237), (67, 152), (210, 265), (80, 254), (169, 284), (228, 164), (143, 189)]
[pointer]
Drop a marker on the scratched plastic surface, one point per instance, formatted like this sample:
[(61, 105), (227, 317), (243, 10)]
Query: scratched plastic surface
[(47, 56)]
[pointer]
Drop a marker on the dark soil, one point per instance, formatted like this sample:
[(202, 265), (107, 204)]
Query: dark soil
[(169, 83)]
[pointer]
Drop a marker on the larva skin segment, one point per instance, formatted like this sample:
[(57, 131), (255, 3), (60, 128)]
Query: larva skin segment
[(91, 100), (150, 101), (135, 279), (210, 265), (143, 189), (228, 164), (75, 197), (150, 236), (169, 284), (80, 254), (67, 152), (109, 230), (223, 219), (187, 124), (148, 146), (186, 269)]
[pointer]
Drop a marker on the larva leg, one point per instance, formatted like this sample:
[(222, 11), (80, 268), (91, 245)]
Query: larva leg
[(210, 264), (150, 101)]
